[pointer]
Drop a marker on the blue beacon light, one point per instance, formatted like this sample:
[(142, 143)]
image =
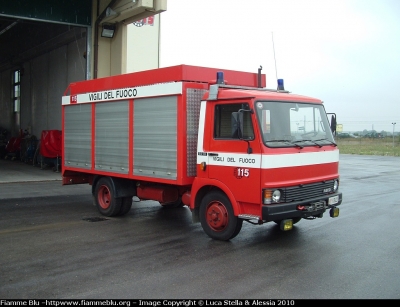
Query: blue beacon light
[(281, 87), (220, 77)]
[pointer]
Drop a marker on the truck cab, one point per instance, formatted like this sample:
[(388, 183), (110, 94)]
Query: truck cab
[(265, 156)]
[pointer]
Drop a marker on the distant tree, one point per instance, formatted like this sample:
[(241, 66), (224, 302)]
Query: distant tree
[(372, 134)]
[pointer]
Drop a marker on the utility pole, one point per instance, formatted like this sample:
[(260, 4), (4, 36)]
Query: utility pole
[(394, 124)]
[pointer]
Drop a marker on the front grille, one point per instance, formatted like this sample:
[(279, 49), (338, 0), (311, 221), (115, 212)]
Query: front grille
[(307, 191)]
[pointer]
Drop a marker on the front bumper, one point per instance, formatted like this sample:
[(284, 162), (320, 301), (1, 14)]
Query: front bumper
[(313, 207)]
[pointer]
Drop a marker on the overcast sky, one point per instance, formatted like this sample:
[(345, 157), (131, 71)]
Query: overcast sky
[(344, 52)]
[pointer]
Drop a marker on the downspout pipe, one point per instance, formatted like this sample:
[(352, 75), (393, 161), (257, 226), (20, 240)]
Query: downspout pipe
[(96, 36)]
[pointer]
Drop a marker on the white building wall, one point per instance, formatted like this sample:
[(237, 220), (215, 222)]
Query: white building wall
[(143, 38)]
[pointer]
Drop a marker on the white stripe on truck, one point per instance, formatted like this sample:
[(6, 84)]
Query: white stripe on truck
[(162, 89)]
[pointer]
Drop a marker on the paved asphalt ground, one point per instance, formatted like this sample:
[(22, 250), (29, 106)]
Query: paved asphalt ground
[(18, 180), (52, 247)]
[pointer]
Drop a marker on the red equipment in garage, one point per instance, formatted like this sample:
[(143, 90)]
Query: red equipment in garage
[(50, 148), (13, 147)]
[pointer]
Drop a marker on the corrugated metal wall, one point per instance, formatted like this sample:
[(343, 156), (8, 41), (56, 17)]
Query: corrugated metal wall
[(112, 129), (155, 138), (6, 107), (78, 135), (43, 82)]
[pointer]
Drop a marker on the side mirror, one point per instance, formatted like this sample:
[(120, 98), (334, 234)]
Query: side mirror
[(333, 123), (235, 125)]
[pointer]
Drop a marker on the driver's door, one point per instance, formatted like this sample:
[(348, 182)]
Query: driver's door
[(229, 160)]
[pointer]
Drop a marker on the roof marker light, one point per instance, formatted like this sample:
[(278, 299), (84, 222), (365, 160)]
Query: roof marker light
[(220, 77), (281, 87)]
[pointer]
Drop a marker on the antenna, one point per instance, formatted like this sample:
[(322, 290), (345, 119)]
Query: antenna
[(273, 47)]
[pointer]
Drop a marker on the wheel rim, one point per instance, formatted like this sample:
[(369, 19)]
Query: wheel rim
[(217, 216), (104, 197)]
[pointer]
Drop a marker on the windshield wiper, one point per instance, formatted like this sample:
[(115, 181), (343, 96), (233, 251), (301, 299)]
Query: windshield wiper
[(319, 145), (332, 143), (287, 142)]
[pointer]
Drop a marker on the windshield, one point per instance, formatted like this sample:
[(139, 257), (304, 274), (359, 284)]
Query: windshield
[(288, 124)]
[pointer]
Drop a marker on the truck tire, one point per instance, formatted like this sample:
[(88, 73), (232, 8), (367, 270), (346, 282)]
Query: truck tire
[(125, 205), (217, 218), (104, 198)]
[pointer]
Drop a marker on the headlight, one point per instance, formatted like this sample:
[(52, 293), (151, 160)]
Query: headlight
[(271, 196), (335, 185), (276, 196)]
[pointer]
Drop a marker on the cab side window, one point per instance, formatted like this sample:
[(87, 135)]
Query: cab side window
[(226, 121)]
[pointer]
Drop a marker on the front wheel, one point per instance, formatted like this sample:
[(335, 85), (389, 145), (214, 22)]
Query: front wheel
[(104, 198), (217, 217)]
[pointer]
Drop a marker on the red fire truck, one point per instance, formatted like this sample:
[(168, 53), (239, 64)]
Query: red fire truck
[(214, 140)]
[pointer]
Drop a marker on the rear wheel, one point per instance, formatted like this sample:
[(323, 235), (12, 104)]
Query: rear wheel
[(104, 198), (217, 217), (126, 205)]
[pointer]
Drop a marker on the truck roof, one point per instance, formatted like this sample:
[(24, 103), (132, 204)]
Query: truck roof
[(263, 94), (179, 73)]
